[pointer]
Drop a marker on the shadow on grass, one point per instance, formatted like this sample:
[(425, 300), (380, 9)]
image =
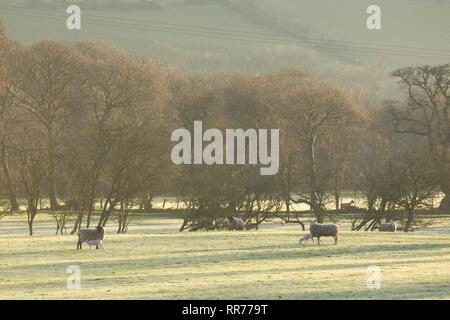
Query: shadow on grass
[(174, 259), (253, 290)]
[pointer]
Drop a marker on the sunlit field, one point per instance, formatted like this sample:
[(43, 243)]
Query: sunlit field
[(202, 136), (155, 261)]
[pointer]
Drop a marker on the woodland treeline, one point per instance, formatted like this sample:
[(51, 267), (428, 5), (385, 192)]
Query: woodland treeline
[(85, 122)]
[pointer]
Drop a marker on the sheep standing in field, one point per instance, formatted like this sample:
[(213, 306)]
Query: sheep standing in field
[(92, 235), (235, 223), (318, 230), (97, 243), (306, 238), (388, 227)]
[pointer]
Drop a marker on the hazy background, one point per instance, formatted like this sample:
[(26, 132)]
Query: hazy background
[(413, 31), (328, 37)]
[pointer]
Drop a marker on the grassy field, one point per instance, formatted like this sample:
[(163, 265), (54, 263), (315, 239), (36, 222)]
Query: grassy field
[(154, 261)]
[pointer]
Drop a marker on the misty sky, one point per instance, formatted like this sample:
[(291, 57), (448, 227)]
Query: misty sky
[(413, 31)]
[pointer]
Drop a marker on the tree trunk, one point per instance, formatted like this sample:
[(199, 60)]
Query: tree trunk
[(31, 212), (63, 224), (11, 192), (445, 175), (51, 145), (371, 198), (30, 222), (372, 225), (382, 206), (376, 224), (88, 219), (119, 229), (318, 212), (106, 212), (410, 220), (288, 192), (288, 208), (78, 222), (337, 199), (183, 226), (51, 172), (30, 228), (90, 205), (257, 220), (148, 203), (445, 202)]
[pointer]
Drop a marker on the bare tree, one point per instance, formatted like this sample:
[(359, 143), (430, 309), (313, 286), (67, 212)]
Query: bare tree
[(7, 115), (46, 80), (315, 111), (374, 178), (426, 113), (124, 215), (32, 170), (60, 218), (415, 184), (128, 114)]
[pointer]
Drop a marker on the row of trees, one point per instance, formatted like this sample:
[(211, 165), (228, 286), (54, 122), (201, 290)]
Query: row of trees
[(79, 121), (329, 144), (87, 121)]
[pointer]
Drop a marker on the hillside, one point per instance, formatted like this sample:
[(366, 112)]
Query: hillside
[(414, 31)]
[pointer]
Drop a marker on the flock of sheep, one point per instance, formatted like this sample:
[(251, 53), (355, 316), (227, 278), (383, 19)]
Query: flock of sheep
[(95, 236), (318, 230)]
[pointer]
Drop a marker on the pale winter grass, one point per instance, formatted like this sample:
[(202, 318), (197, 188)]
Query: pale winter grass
[(154, 261)]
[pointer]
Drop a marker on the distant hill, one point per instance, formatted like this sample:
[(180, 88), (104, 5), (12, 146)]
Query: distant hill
[(123, 5), (328, 37), (414, 31)]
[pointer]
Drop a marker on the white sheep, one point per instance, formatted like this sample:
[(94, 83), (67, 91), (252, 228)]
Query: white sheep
[(91, 236), (388, 226), (97, 243), (306, 238), (235, 223), (318, 230)]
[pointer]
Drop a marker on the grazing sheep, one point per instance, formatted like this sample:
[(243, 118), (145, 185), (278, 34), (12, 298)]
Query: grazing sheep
[(85, 235), (388, 227), (97, 243), (235, 223), (318, 230), (306, 238)]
